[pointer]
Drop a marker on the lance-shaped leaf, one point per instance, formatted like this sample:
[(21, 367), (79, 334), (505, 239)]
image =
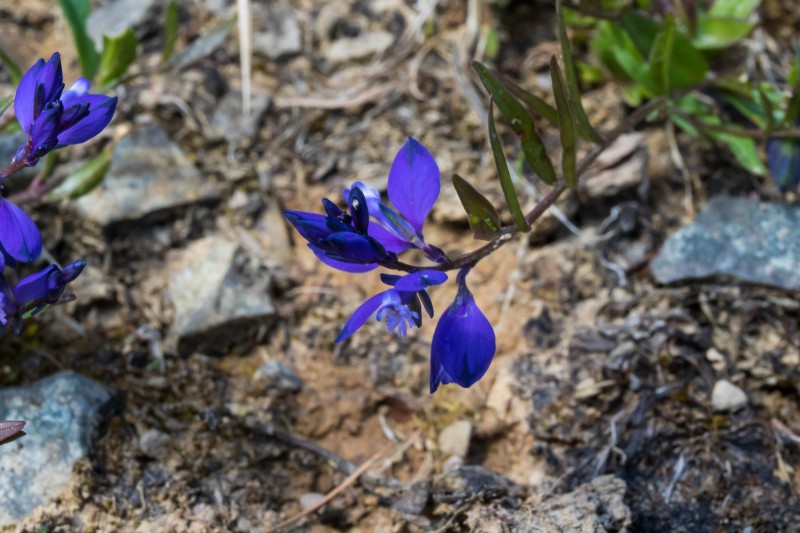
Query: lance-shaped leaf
[(482, 216), (521, 122), (661, 56), (534, 104), (793, 108), (566, 126), (77, 13), (582, 121), (11, 430), (504, 174), (118, 54), (767, 109), (170, 31)]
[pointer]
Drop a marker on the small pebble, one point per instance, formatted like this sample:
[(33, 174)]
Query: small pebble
[(727, 397)]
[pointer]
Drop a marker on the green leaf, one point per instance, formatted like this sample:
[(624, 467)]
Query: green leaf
[(535, 105), (566, 126), (574, 94), (741, 9), (688, 66), (661, 56), (118, 54), (522, 124), (77, 12), (720, 32), (482, 216), (745, 150), (5, 102), (504, 174), (88, 176), (793, 107), (767, 110), (13, 69), (170, 31)]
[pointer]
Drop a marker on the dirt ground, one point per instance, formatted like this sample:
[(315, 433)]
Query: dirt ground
[(598, 369)]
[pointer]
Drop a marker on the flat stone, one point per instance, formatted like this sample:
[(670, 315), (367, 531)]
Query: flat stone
[(758, 242), (229, 122), (118, 15), (454, 439), (62, 412), (149, 175), (217, 297), (279, 377), (276, 31), (725, 396)]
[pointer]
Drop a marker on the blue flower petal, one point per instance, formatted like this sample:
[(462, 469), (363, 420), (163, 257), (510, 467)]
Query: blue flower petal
[(312, 226), (421, 280), (25, 95), (414, 183), (19, 236), (360, 316), (353, 247), (388, 240), (101, 111), (44, 286), (354, 268), (463, 344)]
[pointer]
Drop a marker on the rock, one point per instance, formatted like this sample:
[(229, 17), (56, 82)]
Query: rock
[(727, 397), (752, 241), (63, 413), (149, 175), (279, 377), (218, 297), (276, 31), (471, 482), (596, 507), (229, 123), (454, 439), (118, 15), (360, 47)]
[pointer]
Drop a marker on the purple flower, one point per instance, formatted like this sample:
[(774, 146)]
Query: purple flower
[(413, 189), (20, 239), (340, 239), (400, 306), (52, 117), (37, 291), (464, 342)]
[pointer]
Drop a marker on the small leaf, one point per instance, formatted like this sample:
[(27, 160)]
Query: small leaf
[(170, 31), (77, 13), (535, 105), (714, 33), (767, 110), (13, 69), (688, 65), (566, 126), (118, 54), (661, 56), (504, 174), (745, 150), (790, 118), (482, 216), (740, 9), (522, 124), (574, 100), (88, 176)]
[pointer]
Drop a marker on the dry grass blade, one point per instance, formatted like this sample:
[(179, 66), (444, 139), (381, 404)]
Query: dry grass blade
[(245, 52)]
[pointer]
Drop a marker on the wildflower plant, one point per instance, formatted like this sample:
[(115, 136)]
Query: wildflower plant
[(371, 233)]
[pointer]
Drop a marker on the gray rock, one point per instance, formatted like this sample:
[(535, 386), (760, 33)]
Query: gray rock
[(228, 121), (62, 413), (118, 15), (218, 299), (279, 377), (276, 31), (149, 175), (753, 241)]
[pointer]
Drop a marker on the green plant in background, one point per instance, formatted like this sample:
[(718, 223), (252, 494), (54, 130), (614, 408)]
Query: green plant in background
[(669, 54)]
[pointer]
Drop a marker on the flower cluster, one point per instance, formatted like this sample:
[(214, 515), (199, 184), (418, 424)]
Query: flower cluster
[(51, 118), (372, 234)]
